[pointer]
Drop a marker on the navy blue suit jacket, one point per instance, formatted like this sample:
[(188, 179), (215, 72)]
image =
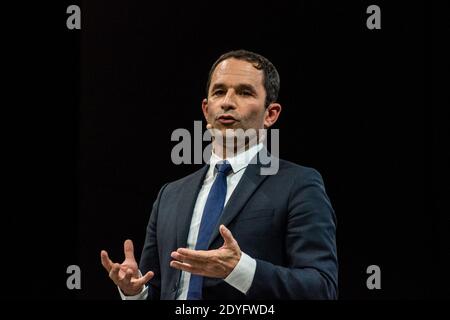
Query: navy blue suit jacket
[(284, 221)]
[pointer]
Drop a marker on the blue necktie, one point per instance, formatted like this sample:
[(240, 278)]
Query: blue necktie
[(211, 213)]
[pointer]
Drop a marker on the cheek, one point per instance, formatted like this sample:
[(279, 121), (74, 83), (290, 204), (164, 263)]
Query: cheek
[(213, 106), (255, 115), (209, 111)]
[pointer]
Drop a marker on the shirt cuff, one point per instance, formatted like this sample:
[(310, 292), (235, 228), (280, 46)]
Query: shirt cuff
[(140, 296), (242, 275)]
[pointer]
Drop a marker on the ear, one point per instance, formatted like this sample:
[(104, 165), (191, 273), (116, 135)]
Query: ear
[(205, 108), (271, 114)]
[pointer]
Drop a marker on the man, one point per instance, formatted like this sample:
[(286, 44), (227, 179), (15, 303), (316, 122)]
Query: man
[(227, 231)]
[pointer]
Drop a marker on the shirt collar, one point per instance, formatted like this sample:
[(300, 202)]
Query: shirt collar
[(239, 161)]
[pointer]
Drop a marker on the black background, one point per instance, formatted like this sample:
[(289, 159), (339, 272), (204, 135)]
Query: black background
[(92, 131)]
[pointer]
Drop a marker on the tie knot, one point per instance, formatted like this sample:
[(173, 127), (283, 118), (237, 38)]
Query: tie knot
[(223, 167)]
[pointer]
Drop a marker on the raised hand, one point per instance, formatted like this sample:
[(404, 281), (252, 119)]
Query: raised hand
[(209, 263), (126, 275)]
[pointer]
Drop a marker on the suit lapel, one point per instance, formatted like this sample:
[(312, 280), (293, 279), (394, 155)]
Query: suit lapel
[(248, 184), (187, 202)]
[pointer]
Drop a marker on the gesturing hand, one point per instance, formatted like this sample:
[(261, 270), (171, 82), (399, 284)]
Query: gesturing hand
[(211, 263), (126, 275)]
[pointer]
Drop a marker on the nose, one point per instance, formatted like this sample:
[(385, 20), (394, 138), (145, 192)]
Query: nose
[(228, 101)]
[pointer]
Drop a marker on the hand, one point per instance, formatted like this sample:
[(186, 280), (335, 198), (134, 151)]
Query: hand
[(211, 263), (126, 275)]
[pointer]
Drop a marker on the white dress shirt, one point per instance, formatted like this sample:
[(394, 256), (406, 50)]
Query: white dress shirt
[(242, 275)]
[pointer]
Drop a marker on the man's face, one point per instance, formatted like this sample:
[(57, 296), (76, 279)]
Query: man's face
[(236, 97)]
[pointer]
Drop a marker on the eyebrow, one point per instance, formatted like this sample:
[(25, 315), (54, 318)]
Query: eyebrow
[(242, 86)]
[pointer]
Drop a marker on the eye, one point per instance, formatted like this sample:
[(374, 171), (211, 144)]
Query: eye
[(246, 93), (218, 92)]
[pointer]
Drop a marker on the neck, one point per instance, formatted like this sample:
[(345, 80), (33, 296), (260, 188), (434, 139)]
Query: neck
[(230, 150)]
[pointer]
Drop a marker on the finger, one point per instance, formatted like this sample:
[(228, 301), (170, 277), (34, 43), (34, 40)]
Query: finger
[(126, 279), (114, 273), (177, 256), (144, 279), (226, 235), (200, 255), (106, 262), (128, 249), (181, 257), (194, 262), (182, 266)]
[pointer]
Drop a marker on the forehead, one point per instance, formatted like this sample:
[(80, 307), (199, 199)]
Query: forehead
[(233, 71)]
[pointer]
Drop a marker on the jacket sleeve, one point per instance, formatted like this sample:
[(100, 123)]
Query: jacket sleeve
[(149, 257), (310, 243)]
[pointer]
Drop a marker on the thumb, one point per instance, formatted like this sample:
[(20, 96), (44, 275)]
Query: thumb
[(226, 235)]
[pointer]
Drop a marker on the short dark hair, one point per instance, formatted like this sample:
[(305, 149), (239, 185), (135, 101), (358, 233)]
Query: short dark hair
[(271, 77)]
